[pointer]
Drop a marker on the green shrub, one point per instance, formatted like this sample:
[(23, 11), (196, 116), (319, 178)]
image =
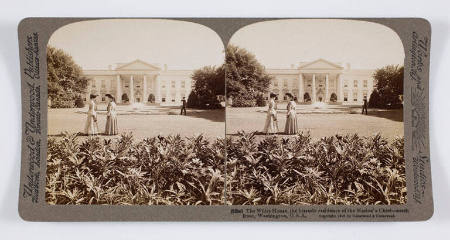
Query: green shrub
[(79, 103), (62, 103), (158, 170), (239, 101), (260, 101), (333, 170), (176, 171)]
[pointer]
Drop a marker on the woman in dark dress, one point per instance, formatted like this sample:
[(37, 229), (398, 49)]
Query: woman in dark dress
[(111, 119)]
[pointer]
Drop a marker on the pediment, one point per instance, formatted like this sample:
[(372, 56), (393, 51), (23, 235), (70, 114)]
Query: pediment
[(320, 64), (137, 65)]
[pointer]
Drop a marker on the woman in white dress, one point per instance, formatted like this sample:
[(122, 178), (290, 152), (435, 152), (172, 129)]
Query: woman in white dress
[(111, 119), (91, 127), (271, 126), (291, 126)]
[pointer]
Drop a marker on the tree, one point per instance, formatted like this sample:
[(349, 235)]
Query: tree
[(389, 86), (208, 84), (65, 80), (246, 77)]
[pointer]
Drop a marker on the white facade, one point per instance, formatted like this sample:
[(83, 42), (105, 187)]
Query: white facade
[(142, 82), (323, 81)]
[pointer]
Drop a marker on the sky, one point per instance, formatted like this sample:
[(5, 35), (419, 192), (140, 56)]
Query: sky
[(280, 43), (96, 44)]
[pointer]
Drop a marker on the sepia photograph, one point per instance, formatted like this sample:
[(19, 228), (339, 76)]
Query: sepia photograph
[(136, 113), (315, 114)]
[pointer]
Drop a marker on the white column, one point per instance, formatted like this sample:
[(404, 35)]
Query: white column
[(177, 91), (341, 88), (313, 88), (144, 90), (360, 94), (131, 89), (300, 88), (168, 96), (326, 89), (157, 89), (350, 93), (118, 90)]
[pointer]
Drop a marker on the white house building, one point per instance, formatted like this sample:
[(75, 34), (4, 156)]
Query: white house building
[(316, 81), (138, 81), (323, 81)]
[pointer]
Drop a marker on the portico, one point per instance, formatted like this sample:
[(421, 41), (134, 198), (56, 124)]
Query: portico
[(322, 81), (140, 82)]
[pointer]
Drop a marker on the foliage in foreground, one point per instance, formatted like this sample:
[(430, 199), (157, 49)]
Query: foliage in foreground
[(333, 170), (158, 170), (176, 171)]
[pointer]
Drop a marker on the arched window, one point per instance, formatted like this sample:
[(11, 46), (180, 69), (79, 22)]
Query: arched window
[(333, 97), (306, 97)]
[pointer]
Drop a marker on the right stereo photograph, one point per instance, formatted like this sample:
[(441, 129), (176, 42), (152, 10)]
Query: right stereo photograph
[(314, 114)]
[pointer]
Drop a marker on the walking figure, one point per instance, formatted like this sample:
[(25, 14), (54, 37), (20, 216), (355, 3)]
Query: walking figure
[(183, 107), (364, 107)]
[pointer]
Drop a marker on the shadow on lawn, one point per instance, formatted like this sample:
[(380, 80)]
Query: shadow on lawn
[(394, 115), (216, 115)]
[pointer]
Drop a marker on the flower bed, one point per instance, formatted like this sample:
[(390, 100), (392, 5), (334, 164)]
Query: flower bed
[(175, 171), (333, 170)]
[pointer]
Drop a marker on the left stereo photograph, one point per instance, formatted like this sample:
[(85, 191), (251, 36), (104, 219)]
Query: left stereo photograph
[(136, 114)]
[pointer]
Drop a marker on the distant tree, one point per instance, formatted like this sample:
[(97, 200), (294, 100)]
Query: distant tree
[(208, 84), (374, 100), (389, 86), (246, 77), (260, 101), (65, 79), (79, 103)]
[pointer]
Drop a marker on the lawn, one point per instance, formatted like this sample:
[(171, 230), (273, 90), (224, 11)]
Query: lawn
[(210, 123), (388, 123)]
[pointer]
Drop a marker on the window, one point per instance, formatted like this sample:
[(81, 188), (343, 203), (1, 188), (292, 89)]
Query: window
[(103, 98), (172, 84), (163, 99), (355, 97), (285, 83), (365, 83), (355, 83), (103, 83), (275, 83), (345, 83), (183, 84), (365, 95), (345, 96)]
